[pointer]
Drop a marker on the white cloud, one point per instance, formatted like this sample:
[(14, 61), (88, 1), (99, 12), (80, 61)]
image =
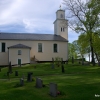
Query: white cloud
[(33, 16)]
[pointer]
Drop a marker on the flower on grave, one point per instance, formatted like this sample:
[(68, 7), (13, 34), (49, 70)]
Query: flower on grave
[(58, 92)]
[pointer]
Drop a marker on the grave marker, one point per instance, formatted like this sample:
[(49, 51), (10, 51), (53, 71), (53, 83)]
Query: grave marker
[(53, 89), (10, 67), (16, 73), (52, 63), (29, 76), (21, 81), (39, 83)]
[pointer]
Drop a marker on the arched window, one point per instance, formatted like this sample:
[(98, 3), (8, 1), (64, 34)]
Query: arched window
[(61, 15)]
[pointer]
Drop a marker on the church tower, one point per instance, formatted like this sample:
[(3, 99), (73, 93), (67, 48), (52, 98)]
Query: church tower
[(61, 24)]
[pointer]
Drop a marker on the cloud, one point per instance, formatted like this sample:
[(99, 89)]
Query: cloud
[(30, 16)]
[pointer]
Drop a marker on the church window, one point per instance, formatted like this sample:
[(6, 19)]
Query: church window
[(39, 47), (3, 47), (55, 47), (19, 52), (61, 15), (61, 29)]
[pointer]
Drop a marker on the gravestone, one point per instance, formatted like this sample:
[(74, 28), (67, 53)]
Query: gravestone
[(52, 63), (62, 68), (39, 83), (29, 76), (10, 67), (16, 73), (21, 81), (72, 60), (53, 89), (0, 69)]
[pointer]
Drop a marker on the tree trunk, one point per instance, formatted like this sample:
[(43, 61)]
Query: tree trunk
[(92, 54), (97, 57)]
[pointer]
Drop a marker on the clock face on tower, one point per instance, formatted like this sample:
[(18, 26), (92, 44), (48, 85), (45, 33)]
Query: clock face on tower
[(61, 15)]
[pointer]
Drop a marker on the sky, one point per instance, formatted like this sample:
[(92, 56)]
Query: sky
[(31, 16)]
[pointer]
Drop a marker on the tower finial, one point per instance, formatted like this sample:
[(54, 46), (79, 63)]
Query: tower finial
[(60, 7)]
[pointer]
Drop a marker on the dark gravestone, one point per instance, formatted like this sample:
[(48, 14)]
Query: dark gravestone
[(29, 76), (21, 81), (62, 68), (72, 60), (52, 63), (0, 69), (39, 83), (53, 89), (16, 73), (10, 67)]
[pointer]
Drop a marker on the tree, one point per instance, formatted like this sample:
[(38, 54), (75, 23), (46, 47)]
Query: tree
[(72, 51), (84, 18)]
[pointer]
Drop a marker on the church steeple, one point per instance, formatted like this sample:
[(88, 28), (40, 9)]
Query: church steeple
[(60, 24)]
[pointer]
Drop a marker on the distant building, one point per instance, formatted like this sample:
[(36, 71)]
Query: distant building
[(20, 48)]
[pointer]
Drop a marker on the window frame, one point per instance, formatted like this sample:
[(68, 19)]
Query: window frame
[(19, 52), (55, 50), (3, 47), (40, 47)]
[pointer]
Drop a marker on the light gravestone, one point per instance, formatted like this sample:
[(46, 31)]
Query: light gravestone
[(39, 83), (16, 73), (29, 77), (53, 89), (52, 63), (21, 81)]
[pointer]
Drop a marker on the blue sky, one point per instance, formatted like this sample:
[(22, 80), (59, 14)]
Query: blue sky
[(30, 16)]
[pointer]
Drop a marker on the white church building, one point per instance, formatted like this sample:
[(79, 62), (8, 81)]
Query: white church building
[(20, 48)]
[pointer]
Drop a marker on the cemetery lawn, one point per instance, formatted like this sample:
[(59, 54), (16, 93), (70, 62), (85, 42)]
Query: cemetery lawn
[(77, 83)]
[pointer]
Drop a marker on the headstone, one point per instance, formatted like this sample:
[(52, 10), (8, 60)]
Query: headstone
[(16, 73), (62, 68), (10, 67), (53, 89), (52, 63), (0, 69), (72, 60), (29, 76), (39, 83), (21, 81)]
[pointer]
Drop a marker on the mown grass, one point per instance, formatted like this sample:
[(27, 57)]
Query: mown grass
[(77, 83)]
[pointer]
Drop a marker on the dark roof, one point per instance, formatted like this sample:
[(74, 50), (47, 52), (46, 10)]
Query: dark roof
[(19, 46), (26, 36)]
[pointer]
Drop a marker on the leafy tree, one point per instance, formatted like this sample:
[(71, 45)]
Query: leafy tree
[(84, 18)]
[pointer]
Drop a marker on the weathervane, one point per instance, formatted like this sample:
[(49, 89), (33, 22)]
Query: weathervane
[(60, 7)]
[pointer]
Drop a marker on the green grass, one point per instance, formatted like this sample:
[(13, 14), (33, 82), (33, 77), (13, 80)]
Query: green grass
[(77, 83)]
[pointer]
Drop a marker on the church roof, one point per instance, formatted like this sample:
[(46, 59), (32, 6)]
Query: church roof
[(26, 36), (19, 46)]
